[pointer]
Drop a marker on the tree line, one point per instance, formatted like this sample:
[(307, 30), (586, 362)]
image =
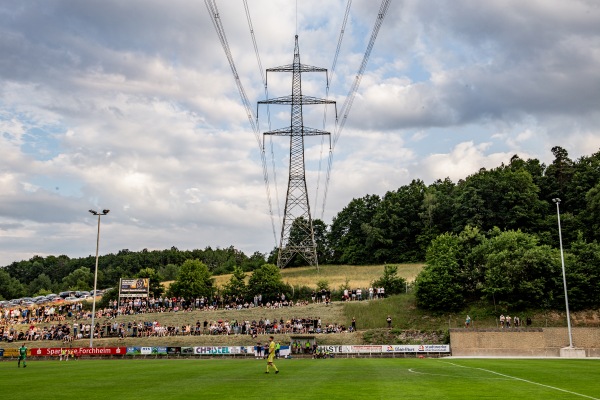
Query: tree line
[(52, 274)]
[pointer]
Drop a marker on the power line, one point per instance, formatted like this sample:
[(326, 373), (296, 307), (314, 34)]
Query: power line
[(213, 12), (329, 80), (347, 105)]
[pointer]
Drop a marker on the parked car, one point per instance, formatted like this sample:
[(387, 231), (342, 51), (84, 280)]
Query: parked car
[(72, 299)]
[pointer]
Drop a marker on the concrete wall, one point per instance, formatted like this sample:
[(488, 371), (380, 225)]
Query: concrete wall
[(536, 342)]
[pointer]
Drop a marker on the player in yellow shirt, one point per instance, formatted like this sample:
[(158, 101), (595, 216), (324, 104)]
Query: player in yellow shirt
[(271, 355)]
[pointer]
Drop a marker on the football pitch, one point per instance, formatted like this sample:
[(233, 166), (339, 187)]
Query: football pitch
[(364, 378)]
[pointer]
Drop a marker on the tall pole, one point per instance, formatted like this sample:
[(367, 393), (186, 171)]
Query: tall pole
[(562, 260), (92, 327), (297, 233)]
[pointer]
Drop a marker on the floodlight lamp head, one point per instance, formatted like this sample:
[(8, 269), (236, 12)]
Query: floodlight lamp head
[(104, 212), (93, 212), (556, 200)]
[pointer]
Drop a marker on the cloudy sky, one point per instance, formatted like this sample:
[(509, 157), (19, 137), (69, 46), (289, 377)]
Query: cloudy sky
[(132, 106)]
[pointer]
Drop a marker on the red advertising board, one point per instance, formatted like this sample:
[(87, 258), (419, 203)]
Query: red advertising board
[(80, 351)]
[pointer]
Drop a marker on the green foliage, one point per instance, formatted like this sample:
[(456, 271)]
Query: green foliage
[(41, 284), (154, 279), (169, 271), (390, 281), (108, 296), (347, 235), (322, 284), (266, 281), (438, 287), (80, 279), (237, 284), (194, 280), (519, 272), (300, 292), (345, 285), (10, 288), (582, 267)]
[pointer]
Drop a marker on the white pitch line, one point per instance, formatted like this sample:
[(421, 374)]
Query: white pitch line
[(527, 381), (414, 371)]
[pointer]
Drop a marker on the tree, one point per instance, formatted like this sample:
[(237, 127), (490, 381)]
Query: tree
[(347, 235), (10, 288), (41, 283), (504, 197), (436, 212), (396, 225), (194, 280), (582, 267), (438, 287), (156, 288), (80, 279), (320, 233), (267, 282), (169, 272), (518, 272), (236, 287), (591, 216), (390, 281)]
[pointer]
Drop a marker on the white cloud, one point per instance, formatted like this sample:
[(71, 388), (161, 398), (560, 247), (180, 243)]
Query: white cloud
[(132, 106)]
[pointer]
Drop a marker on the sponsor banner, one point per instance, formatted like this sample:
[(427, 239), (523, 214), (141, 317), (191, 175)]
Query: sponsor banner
[(427, 348), (367, 349), (435, 348), (212, 350), (173, 350), (80, 351), (11, 352), (134, 350), (134, 287), (187, 350), (336, 349)]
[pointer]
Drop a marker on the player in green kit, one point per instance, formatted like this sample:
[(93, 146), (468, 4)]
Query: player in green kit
[(22, 356), (271, 355)]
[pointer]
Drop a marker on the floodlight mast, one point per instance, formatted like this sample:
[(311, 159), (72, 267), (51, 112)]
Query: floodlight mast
[(562, 261), (92, 327)]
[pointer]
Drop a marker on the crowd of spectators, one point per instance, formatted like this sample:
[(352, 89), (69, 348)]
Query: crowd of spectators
[(67, 322)]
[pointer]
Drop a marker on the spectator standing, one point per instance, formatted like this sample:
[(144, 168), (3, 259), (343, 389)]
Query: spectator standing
[(502, 320), (353, 324), (468, 321)]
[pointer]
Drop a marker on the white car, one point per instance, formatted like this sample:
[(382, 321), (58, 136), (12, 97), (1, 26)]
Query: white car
[(72, 299)]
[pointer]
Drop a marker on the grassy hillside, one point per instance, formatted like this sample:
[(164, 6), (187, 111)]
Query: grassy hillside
[(337, 275)]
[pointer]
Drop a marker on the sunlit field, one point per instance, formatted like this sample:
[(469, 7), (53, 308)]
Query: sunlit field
[(365, 378), (337, 275)]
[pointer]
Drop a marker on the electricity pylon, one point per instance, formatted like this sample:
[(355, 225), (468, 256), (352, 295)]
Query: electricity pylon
[(297, 235)]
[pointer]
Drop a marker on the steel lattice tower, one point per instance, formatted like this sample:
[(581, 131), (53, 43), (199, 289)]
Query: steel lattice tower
[(297, 236)]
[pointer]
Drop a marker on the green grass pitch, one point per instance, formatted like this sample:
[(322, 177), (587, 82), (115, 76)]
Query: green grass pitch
[(365, 378)]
